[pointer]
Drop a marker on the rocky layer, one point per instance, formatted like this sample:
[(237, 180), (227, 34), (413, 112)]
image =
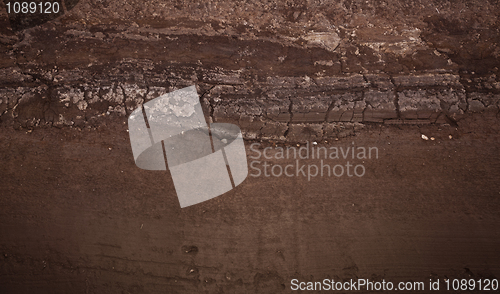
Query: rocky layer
[(280, 70)]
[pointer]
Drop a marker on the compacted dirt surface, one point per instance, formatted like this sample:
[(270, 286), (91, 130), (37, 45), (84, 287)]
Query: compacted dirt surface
[(418, 81), (77, 215)]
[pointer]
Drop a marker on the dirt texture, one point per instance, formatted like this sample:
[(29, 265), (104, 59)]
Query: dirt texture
[(419, 80), (79, 217), (266, 66)]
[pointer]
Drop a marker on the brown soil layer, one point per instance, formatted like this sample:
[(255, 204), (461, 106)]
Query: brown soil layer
[(79, 217)]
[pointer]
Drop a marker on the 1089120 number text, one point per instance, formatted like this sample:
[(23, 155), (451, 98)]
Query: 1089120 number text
[(32, 7)]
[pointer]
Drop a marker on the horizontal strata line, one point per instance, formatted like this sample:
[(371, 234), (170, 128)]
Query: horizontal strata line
[(268, 108), (15, 76)]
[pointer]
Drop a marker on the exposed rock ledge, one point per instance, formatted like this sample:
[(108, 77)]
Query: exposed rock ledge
[(283, 71)]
